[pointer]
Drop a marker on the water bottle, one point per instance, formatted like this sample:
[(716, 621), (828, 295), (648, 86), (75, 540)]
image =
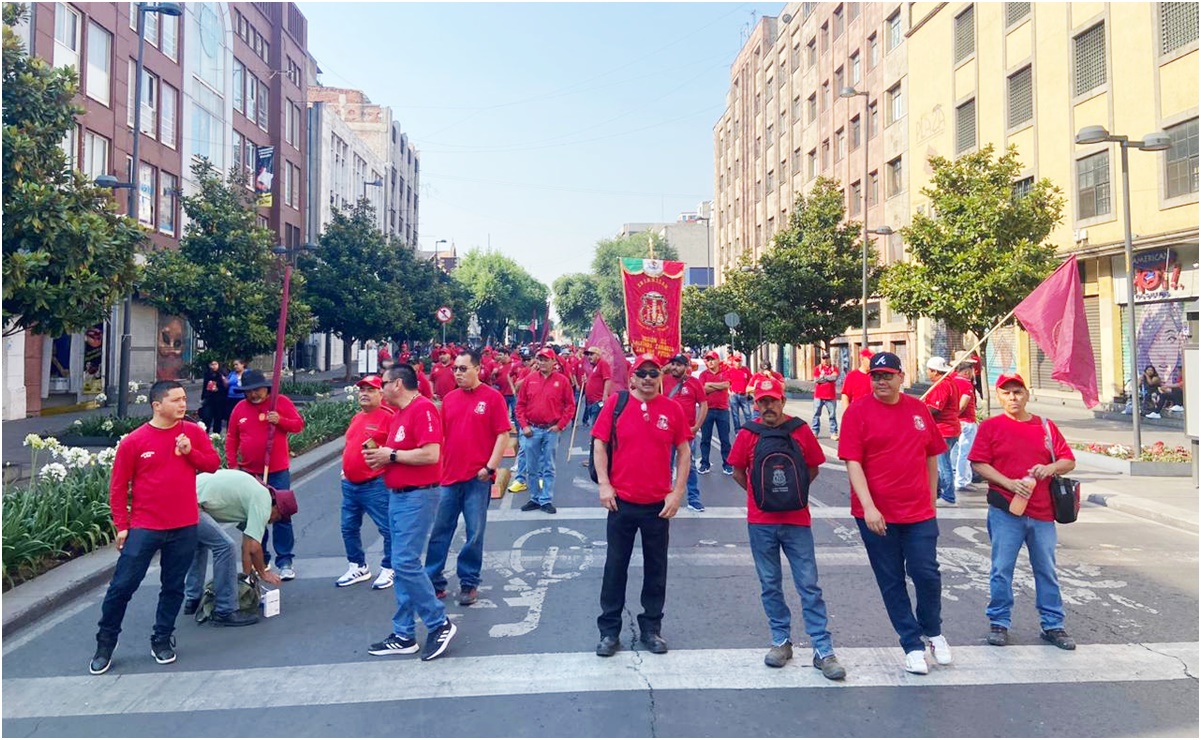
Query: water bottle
[(1017, 506)]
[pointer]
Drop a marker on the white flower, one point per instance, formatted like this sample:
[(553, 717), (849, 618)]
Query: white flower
[(53, 471), (101, 398), (202, 426), (351, 397), (140, 399), (107, 425), (106, 456), (133, 386), (215, 437), (52, 444), (77, 423), (349, 389), (34, 441), (76, 457), (311, 372)]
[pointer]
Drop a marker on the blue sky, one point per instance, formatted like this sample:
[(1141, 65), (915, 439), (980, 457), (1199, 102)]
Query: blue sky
[(543, 127)]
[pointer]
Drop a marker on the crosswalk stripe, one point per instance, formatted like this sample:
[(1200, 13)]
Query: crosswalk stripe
[(172, 690), (1088, 514)]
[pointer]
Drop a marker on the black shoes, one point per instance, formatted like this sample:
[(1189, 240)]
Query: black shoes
[(655, 644), (102, 659), (608, 646), (163, 649), (998, 636), (190, 606), (468, 596), (394, 644), (549, 508), (233, 619), (438, 640), (1059, 639), (531, 505)]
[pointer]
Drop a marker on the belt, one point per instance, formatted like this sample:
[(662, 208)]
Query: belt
[(542, 426), (410, 489)]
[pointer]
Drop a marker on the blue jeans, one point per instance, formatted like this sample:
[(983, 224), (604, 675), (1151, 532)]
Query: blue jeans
[(818, 405), (1008, 533), (908, 548), (540, 464), (694, 487), (370, 498), (469, 498), (740, 409), (176, 548), (796, 542), (946, 472), (519, 462), (411, 515), (591, 411), (959, 453), (511, 403), (720, 418), (212, 537), (285, 539)]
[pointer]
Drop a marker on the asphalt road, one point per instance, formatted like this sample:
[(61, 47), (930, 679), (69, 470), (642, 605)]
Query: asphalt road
[(522, 664)]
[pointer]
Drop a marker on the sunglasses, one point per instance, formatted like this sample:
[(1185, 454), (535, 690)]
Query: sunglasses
[(884, 377), (461, 368), (647, 373)]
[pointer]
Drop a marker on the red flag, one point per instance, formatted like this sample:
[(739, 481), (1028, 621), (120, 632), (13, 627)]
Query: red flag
[(611, 352), (652, 300), (1053, 315)]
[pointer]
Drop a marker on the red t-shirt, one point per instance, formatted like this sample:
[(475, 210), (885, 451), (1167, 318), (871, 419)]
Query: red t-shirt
[(594, 388), (503, 379), (423, 385), (246, 440), (892, 443), (690, 396), (641, 464), (545, 401), (443, 379), (1013, 447), (740, 378), (471, 421), (825, 391), (717, 399), (742, 455), (365, 426), (965, 388), (163, 483), (856, 385), (943, 400), (414, 426)]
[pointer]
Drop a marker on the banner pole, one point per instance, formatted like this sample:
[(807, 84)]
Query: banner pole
[(575, 422), (973, 349)]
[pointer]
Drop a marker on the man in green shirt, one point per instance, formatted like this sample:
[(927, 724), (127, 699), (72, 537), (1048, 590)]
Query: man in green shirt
[(232, 497)]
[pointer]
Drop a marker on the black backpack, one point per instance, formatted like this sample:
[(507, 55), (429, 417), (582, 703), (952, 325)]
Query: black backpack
[(779, 474), (623, 397)]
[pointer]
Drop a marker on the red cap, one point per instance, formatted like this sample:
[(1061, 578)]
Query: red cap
[(768, 388), (712, 356), (1013, 378), (546, 352), (866, 353), (646, 357), (371, 381)]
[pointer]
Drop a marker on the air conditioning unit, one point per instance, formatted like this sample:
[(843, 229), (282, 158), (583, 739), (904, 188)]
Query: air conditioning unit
[(1081, 235)]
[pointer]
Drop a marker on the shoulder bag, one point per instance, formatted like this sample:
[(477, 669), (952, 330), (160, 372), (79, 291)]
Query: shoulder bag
[(1065, 492)]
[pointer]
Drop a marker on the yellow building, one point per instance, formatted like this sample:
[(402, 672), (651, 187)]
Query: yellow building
[(1033, 75)]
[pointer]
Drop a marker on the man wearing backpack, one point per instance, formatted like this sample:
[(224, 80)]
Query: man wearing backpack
[(776, 460), (632, 452)]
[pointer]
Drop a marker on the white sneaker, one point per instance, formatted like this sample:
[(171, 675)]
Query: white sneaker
[(1177, 408), (941, 650), (915, 662), (386, 576), (1153, 415), (354, 574)]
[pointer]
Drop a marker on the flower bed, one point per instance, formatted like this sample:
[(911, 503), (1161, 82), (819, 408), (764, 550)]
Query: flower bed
[(1157, 452), (1157, 460)]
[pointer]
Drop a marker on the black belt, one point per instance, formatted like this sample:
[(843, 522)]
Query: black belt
[(542, 426), (410, 489)]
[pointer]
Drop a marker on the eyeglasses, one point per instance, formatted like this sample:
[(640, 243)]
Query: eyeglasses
[(647, 373), (461, 368), (884, 377)]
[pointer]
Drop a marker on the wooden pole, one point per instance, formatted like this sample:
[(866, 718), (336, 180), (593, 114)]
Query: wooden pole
[(973, 349)]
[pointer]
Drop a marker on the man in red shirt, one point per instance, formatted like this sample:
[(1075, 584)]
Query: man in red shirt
[(891, 448), (739, 376), (502, 380), (545, 407), (766, 373), (522, 367), (687, 391), (475, 423), (857, 384), (943, 400), (717, 393), (825, 383), (411, 459), (424, 387), (598, 384), (636, 487), (773, 532), (363, 490), (246, 449), (152, 496), (443, 376), (965, 376)]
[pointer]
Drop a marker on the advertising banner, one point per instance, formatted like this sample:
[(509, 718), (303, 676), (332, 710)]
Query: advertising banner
[(652, 296), (264, 174)]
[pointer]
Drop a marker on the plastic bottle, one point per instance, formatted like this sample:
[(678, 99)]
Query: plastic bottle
[(1017, 506)]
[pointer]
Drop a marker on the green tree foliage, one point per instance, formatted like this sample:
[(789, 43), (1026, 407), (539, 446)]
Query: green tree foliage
[(68, 255), (703, 320), (982, 248), (501, 292), (576, 302), (224, 278), (606, 269)]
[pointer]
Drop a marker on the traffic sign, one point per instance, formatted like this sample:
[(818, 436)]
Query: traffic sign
[(732, 320), (444, 314)]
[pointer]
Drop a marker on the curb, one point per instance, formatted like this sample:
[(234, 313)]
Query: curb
[(34, 599), (1132, 505)]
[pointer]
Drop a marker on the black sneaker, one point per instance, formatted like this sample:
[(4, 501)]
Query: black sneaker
[(102, 659), (394, 644), (234, 619), (531, 505), (549, 508), (998, 636), (703, 470), (1059, 639), (163, 649), (438, 640), (190, 606), (468, 596)]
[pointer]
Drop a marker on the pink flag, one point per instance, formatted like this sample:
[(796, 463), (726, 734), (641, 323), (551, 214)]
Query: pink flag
[(1053, 314), (611, 352)]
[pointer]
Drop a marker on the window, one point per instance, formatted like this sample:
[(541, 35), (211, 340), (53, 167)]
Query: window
[(856, 133), (147, 185), (1022, 188), (771, 88), (152, 28), (95, 155), (825, 96), (796, 56), (896, 182), (170, 43), (1014, 12), (873, 188), (100, 63), (873, 120), (70, 147), (1092, 185), (149, 123), (133, 16), (252, 97), (812, 164), (796, 109), (965, 34), (826, 155), (840, 145), (852, 12), (167, 132), (893, 28), (855, 73), (856, 203), (755, 110), (873, 51), (1021, 97), (825, 37), (896, 105), (1090, 59), (771, 180), (291, 122), (796, 161), (838, 22), (264, 105), (1180, 162), (167, 196), (812, 107), (758, 190), (1177, 25), (840, 80), (758, 145), (239, 85), (811, 49), (288, 183), (771, 130), (965, 126), (66, 36)]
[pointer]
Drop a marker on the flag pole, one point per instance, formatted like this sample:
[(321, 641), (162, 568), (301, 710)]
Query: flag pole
[(975, 347), (575, 421)]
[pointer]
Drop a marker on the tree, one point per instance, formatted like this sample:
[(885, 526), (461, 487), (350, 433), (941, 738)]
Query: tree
[(811, 277), (606, 269), (576, 302), (224, 278), (703, 320), (501, 292), (981, 249), (68, 254)]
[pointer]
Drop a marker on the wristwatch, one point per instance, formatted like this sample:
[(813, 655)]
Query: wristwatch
[(491, 471), (392, 456)]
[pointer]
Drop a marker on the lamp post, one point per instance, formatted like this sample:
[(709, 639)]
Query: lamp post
[(376, 183), (850, 92), (1157, 141), (435, 257), (108, 181)]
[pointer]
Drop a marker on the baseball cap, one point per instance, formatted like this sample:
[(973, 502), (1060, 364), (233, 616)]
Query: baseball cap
[(712, 356), (736, 356), (768, 388), (646, 357), (252, 379), (285, 501), (546, 352), (371, 381), (594, 348), (963, 358), (1011, 378), (938, 365), (885, 362), (866, 353), (679, 360)]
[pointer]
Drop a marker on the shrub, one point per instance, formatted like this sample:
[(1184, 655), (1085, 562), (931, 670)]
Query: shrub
[(1157, 452), (323, 421), (113, 427)]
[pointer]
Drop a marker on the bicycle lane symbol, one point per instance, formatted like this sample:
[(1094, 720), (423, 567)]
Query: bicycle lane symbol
[(529, 587)]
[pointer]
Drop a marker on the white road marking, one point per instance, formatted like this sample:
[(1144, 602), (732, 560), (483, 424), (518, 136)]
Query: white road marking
[(175, 691), (1089, 514)]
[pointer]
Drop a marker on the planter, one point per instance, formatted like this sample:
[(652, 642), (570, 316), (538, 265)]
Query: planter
[(1133, 467), (72, 440)]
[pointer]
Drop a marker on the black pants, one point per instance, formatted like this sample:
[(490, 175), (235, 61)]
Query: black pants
[(622, 525), (176, 549), (213, 413)]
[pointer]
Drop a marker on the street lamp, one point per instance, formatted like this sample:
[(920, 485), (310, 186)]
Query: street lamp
[(377, 183), (434, 259), (1157, 141), (108, 181), (850, 92)]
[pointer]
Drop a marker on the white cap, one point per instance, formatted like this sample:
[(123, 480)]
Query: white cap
[(939, 365)]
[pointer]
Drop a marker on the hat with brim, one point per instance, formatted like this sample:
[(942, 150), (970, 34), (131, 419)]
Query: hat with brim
[(712, 356), (647, 357), (1011, 378), (866, 353), (546, 353), (962, 357), (769, 388), (938, 365), (371, 381), (679, 360), (285, 501), (252, 379), (885, 362)]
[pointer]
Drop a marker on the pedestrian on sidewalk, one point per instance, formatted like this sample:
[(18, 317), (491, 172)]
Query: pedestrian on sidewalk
[(475, 424), (687, 391), (1018, 453), (412, 464), (213, 396), (739, 376), (233, 388), (545, 407), (857, 384), (943, 401), (363, 490), (246, 449), (717, 392), (891, 448), (965, 375), (635, 477), (152, 496), (786, 526), (825, 393)]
